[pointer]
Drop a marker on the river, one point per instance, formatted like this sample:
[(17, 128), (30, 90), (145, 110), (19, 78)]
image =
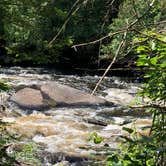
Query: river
[(62, 132)]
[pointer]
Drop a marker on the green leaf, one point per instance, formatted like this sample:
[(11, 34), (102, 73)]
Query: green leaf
[(4, 86), (94, 136), (163, 64), (153, 60), (141, 49), (98, 140)]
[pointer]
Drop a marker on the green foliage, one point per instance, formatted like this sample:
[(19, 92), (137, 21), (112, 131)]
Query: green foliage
[(4, 85), (134, 150), (129, 12), (95, 137), (148, 150), (5, 140), (27, 154), (152, 56), (28, 27), (153, 59)]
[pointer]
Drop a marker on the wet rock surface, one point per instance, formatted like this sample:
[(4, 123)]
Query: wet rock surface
[(54, 94), (66, 95), (29, 98)]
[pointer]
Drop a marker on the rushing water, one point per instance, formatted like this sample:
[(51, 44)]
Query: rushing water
[(63, 132)]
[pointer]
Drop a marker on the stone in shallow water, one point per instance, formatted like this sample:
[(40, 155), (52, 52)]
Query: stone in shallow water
[(65, 95), (52, 94), (28, 98)]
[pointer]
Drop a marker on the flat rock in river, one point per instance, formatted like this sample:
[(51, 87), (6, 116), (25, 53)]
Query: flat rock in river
[(66, 95), (28, 98)]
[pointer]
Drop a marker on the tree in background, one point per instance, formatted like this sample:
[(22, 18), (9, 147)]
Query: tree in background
[(28, 26), (129, 12)]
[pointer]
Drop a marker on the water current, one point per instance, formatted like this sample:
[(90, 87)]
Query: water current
[(63, 131)]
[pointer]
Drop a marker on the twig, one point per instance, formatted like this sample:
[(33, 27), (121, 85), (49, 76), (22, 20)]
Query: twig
[(160, 107), (149, 36), (114, 59), (158, 23), (100, 39)]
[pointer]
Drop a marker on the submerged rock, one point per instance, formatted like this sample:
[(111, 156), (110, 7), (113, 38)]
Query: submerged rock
[(96, 121), (66, 95)]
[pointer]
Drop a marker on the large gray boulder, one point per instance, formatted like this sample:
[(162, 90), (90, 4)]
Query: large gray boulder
[(65, 95), (54, 94), (28, 98)]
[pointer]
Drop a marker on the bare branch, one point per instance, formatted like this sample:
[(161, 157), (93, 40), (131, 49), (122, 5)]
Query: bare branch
[(149, 36), (100, 39), (114, 59), (160, 107)]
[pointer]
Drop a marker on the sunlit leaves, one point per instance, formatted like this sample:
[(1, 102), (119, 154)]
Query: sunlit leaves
[(154, 60), (4, 85), (152, 56), (143, 60), (95, 137)]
